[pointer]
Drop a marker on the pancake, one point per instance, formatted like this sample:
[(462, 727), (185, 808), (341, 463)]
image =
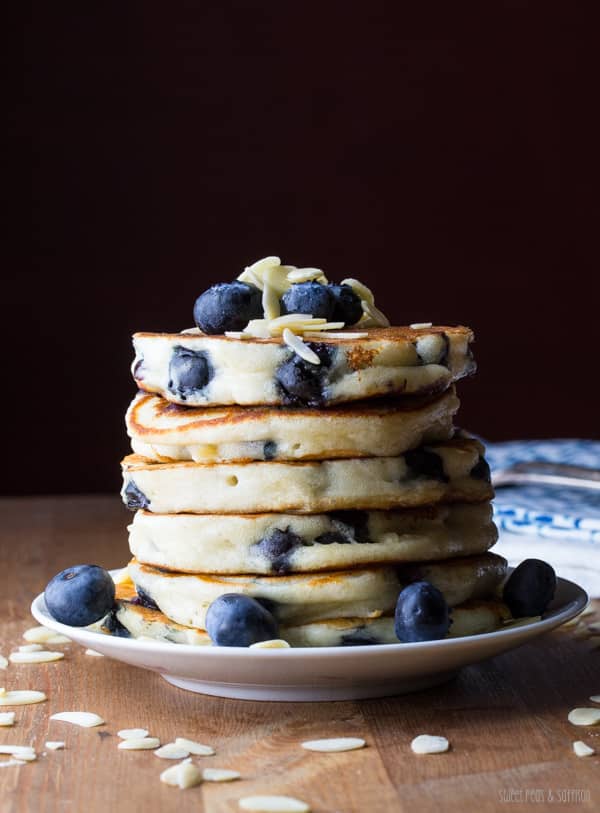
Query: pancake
[(454, 471), (471, 618), (161, 431), (295, 543), (194, 369), (304, 598)]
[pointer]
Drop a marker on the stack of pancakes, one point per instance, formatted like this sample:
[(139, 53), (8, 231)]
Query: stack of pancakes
[(320, 490)]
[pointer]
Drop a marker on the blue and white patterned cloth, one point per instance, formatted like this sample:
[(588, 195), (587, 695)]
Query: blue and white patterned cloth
[(560, 525)]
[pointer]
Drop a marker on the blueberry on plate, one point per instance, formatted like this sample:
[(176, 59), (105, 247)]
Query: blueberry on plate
[(530, 588), (421, 614), (237, 620), (227, 306), (347, 306), (308, 297), (80, 595)]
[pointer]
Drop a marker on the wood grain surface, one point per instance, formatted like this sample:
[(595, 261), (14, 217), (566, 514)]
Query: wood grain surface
[(506, 719)]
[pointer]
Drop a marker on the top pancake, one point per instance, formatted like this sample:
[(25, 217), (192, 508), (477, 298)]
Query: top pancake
[(198, 370)]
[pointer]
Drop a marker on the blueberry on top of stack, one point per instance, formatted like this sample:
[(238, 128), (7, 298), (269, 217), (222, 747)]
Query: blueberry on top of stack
[(296, 475)]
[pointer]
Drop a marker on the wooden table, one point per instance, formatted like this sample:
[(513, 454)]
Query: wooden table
[(506, 719)]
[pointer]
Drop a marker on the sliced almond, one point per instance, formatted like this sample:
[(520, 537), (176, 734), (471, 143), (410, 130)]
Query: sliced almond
[(195, 748), (24, 752), (54, 745), (273, 804), (171, 751), (183, 776), (41, 656), (428, 744), (373, 313), (334, 744), (7, 718), (21, 698), (139, 744), (419, 325), (275, 643), (259, 328), (3, 662), (584, 716), (85, 719), (132, 733), (314, 334), (43, 635), (270, 297), (595, 698), (94, 653), (122, 576), (235, 334), (219, 775), (298, 346), (296, 275), (582, 750), (12, 762), (295, 319), (31, 648), (360, 290)]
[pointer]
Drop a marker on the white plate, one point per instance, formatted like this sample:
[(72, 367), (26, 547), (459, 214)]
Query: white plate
[(317, 673)]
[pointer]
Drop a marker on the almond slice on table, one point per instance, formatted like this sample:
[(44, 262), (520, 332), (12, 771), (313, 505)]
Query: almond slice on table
[(94, 653), (273, 804), (428, 744), (132, 733), (139, 744), (24, 752), (198, 749), (171, 751), (7, 718), (3, 662), (220, 775), (31, 648), (334, 744), (21, 697), (44, 635), (54, 745), (185, 775), (581, 749), (10, 762), (38, 656), (584, 716), (85, 719)]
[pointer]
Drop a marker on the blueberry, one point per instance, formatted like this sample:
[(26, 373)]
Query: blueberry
[(270, 450), (114, 626), (347, 306), (421, 614), (277, 547), (308, 297), (227, 306), (80, 595), (530, 588), (301, 383), (425, 463), (360, 637), (481, 470), (189, 371), (134, 497), (144, 599), (237, 620)]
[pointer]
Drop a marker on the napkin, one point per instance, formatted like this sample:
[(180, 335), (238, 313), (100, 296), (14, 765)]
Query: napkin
[(557, 524)]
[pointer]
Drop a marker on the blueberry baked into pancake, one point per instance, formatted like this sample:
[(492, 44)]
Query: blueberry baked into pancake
[(296, 475)]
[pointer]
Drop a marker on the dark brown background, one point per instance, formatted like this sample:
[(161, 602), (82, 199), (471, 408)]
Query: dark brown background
[(441, 153)]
